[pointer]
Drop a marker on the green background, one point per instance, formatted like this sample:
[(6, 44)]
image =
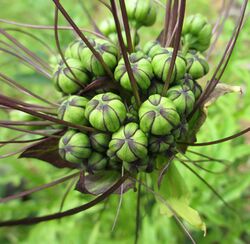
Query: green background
[(228, 115)]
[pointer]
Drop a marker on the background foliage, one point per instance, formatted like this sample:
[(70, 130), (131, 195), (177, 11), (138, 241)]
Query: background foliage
[(230, 114)]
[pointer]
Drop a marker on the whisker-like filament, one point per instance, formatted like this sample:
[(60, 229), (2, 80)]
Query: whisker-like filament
[(223, 62), (164, 201), (59, 215), (68, 189), (229, 138), (28, 34), (84, 39), (38, 188), (126, 26), (219, 28), (91, 20), (28, 131), (176, 45), (12, 104), (22, 89), (208, 185), (28, 62), (223, 161), (124, 54), (61, 52), (26, 50), (138, 212), (50, 27), (167, 22)]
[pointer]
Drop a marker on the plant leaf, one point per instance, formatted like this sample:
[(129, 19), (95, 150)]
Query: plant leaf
[(47, 150), (175, 191), (220, 90), (185, 212), (200, 116), (98, 183)]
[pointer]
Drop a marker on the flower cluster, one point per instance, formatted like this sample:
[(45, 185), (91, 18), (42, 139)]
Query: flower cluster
[(128, 132)]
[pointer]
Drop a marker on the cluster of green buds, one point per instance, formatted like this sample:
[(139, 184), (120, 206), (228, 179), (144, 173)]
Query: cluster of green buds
[(125, 133)]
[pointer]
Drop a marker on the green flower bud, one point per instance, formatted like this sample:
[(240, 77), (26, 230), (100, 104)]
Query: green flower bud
[(97, 162), (197, 90), (114, 38), (180, 131), (129, 143), (74, 147), (142, 12), (65, 81), (153, 48), (107, 50), (113, 159), (108, 26), (53, 61), (142, 70), (158, 115), (132, 115), (73, 109), (106, 112), (16, 115), (161, 65), (183, 98), (159, 144), (100, 141), (75, 48), (114, 165), (155, 88), (197, 66), (137, 166), (192, 84), (197, 33)]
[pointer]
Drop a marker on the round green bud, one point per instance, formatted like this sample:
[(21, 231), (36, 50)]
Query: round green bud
[(114, 38), (197, 33), (159, 144), (16, 115), (106, 112), (72, 110), (53, 61), (74, 147), (183, 98), (192, 84), (107, 50), (75, 48), (97, 162), (108, 26), (100, 141), (161, 66), (142, 71), (158, 115), (137, 166), (65, 81), (197, 66), (114, 163), (153, 48), (129, 143), (197, 90), (141, 12), (113, 159), (155, 88), (180, 131)]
